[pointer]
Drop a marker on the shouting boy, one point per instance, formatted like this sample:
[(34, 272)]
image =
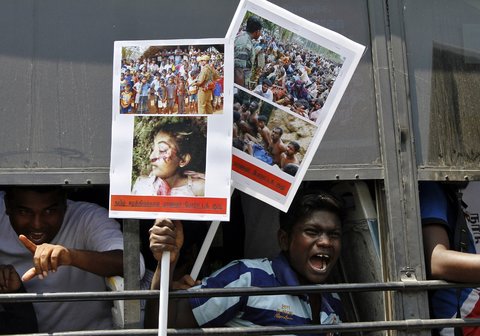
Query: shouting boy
[(310, 242)]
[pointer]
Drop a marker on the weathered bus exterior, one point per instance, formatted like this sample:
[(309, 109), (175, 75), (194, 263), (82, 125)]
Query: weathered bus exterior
[(409, 113)]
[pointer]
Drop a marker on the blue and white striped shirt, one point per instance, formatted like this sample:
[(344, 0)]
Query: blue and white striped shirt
[(271, 310)]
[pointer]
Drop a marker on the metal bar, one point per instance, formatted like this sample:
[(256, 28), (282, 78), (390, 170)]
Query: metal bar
[(344, 172), (448, 174), (224, 292), (405, 248), (71, 176), (131, 260), (404, 325)]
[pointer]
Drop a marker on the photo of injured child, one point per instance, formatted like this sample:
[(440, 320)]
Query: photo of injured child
[(269, 134), (169, 159)]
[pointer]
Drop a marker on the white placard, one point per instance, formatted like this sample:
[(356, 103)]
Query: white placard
[(295, 75), (171, 135)]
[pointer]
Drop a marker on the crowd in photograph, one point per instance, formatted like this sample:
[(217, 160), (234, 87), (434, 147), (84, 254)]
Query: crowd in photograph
[(284, 71), (175, 80), (252, 135)]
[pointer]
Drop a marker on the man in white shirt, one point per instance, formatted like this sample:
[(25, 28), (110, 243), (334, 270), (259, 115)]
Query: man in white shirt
[(264, 89), (60, 246)]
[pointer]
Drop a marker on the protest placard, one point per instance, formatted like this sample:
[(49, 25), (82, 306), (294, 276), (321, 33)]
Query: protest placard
[(289, 75), (171, 153)]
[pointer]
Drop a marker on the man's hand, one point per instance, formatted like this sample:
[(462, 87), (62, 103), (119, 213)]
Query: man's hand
[(166, 235), (46, 258), (9, 279)]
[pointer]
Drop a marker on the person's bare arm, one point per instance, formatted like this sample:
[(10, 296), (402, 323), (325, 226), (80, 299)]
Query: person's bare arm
[(267, 138), (444, 263), (48, 257), (283, 157), (166, 235)]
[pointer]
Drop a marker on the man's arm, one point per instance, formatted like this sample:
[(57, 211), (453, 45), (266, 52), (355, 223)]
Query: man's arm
[(17, 317), (265, 133), (48, 257), (444, 263)]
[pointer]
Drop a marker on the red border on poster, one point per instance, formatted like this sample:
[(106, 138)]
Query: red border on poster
[(200, 205), (260, 175)]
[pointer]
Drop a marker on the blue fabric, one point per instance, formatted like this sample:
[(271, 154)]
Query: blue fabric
[(260, 153), (268, 310), (435, 207)]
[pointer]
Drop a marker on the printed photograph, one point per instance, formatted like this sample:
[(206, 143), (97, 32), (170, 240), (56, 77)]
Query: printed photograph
[(176, 80), (284, 67), (269, 134), (169, 156)]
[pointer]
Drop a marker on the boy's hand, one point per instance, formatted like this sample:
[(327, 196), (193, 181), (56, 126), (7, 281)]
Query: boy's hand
[(185, 282), (9, 279), (166, 235)]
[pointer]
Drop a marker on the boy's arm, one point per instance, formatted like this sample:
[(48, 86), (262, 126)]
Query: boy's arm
[(180, 313), (166, 235)]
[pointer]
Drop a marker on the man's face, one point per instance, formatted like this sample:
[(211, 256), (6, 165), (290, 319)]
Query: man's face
[(276, 134), (38, 216), (264, 88), (291, 149), (313, 246)]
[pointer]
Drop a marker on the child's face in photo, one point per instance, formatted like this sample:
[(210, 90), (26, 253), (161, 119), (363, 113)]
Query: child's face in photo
[(313, 246), (164, 156)]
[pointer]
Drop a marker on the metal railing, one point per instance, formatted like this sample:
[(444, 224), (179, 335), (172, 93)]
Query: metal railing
[(404, 325)]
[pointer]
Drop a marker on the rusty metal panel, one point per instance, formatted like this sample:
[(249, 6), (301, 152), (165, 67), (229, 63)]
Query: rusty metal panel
[(444, 65)]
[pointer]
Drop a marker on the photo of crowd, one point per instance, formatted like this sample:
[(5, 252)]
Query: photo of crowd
[(270, 134), (284, 67), (169, 156), (172, 79)]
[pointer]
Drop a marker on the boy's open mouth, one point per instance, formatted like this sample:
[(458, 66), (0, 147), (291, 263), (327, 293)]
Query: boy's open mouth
[(320, 261)]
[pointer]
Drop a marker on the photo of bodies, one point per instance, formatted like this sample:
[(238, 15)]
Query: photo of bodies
[(169, 156), (284, 67), (182, 79), (269, 134)]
